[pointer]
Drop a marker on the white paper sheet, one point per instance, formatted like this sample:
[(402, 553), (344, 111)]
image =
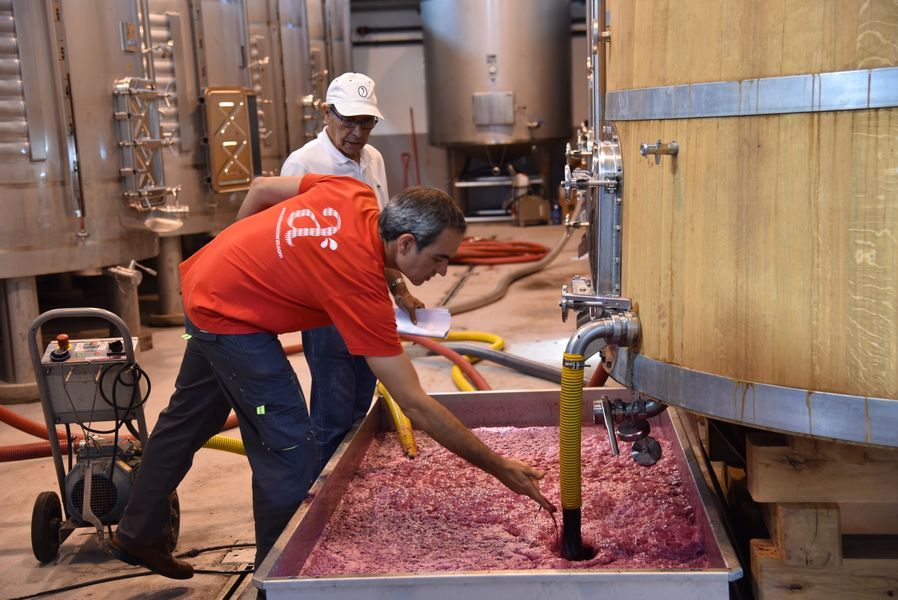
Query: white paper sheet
[(432, 322)]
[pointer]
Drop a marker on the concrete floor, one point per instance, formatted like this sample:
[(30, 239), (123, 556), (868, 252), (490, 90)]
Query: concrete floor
[(215, 496)]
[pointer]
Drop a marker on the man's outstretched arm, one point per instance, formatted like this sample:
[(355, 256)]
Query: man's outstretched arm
[(399, 376)]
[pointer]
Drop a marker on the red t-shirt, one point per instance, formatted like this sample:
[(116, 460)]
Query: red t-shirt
[(309, 261)]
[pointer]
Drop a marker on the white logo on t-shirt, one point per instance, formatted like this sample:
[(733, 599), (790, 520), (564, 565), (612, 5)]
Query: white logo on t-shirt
[(316, 231)]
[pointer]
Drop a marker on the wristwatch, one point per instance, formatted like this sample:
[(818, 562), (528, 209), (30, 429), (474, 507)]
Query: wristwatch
[(394, 283)]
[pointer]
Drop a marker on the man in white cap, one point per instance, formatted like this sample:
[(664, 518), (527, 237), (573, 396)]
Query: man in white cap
[(343, 384)]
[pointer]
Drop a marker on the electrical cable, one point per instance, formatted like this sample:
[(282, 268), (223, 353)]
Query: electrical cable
[(113, 402), (84, 584), (134, 433), (70, 453), (76, 586), (141, 374), (192, 553)]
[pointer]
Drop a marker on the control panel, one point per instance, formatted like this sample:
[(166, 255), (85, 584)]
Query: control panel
[(89, 381)]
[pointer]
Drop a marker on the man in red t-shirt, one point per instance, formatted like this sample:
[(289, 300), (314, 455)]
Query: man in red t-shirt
[(294, 262)]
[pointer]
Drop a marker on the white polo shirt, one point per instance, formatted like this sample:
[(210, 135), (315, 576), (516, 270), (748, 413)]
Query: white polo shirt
[(321, 156)]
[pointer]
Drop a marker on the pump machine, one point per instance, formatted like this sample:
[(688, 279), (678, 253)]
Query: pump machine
[(96, 385)]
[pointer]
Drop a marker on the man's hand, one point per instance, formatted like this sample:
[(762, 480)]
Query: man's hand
[(521, 478), (409, 304), (404, 298)]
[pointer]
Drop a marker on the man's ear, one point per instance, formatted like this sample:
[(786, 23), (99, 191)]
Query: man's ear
[(406, 243)]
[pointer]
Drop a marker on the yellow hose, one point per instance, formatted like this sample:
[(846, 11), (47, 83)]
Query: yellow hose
[(401, 422), (495, 342), (228, 444), (461, 382), (569, 429)]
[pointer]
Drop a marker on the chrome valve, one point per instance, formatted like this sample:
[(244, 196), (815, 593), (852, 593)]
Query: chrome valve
[(659, 148), (580, 296)]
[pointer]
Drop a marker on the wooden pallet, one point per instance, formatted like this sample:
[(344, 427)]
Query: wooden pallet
[(832, 513)]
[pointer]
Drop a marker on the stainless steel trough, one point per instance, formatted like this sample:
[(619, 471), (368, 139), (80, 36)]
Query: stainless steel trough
[(279, 575)]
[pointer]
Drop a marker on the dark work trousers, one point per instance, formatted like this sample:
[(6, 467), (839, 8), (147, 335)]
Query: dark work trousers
[(342, 388), (251, 374)]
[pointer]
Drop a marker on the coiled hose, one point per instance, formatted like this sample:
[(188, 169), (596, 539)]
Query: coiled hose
[(505, 282), (478, 251)]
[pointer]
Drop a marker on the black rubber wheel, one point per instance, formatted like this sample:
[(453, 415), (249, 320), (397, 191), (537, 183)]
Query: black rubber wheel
[(174, 523), (46, 521)]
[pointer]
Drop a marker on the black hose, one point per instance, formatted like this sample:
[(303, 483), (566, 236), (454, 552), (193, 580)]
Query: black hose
[(572, 546), (524, 365)]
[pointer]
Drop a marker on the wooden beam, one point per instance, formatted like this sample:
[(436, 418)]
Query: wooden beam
[(854, 579), (784, 469), (869, 518), (808, 534)]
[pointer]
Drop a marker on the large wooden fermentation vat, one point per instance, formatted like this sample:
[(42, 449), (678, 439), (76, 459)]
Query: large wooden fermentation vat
[(766, 250)]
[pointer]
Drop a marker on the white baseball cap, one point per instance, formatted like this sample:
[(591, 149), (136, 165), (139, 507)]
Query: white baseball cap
[(353, 94)]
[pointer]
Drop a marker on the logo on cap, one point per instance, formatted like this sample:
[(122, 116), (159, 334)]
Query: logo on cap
[(363, 91)]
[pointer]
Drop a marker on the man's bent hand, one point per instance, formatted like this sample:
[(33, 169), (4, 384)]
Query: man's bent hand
[(521, 478)]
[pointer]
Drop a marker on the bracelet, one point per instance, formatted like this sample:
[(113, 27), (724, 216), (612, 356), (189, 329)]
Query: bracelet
[(393, 284)]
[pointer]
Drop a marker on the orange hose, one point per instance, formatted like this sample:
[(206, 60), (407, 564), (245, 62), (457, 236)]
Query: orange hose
[(27, 451), (293, 349), (42, 449), (27, 425), (475, 251)]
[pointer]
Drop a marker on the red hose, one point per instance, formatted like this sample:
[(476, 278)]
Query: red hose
[(27, 425), (475, 377), (475, 251), (598, 378), (466, 367), (27, 451)]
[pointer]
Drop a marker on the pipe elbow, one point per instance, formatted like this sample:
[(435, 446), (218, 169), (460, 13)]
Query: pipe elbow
[(617, 328)]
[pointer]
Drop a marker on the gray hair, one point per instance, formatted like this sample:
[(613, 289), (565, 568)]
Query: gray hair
[(422, 211)]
